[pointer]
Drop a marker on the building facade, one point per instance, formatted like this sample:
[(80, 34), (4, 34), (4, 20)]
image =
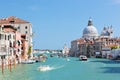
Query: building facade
[(15, 39), (22, 26), (65, 50)]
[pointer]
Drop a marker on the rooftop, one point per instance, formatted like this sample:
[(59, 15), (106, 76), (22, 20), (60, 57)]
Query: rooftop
[(12, 19)]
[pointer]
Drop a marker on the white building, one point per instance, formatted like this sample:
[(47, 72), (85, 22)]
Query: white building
[(3, 43), (90, 32), (65, 50), (6, 45), (115, 53), (107, 32)]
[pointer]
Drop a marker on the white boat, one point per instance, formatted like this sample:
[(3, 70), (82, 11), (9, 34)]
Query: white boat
[(44, 68), (83, 58)]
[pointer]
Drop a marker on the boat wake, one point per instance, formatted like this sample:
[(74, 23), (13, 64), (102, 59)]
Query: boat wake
[(59, 67), (48, 68)]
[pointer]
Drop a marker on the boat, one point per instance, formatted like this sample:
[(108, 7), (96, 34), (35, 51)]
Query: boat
[(52, 55), (83, 58), (44, 68), (42, 59), (27, 61)]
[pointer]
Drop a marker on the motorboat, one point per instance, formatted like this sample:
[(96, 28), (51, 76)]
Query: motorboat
[(42, 59), (44, 68), (83, 58), (51, 55)]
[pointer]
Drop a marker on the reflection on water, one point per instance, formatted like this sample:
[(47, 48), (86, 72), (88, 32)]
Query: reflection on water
[(111, 69)]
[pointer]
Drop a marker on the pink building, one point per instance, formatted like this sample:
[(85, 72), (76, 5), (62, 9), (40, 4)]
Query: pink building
[(19, 37), (15, 43), (22, 26), (24, 47), (14, 38)]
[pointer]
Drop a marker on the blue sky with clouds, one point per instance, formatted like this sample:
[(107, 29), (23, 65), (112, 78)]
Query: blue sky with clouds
[(56, 22)]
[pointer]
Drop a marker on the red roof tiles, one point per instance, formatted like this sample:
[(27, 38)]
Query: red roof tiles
[(12, 19)]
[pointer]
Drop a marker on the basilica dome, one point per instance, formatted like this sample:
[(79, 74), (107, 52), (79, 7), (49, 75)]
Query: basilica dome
[(90, 31)]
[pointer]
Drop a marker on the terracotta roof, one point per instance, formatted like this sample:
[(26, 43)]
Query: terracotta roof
[(111, 45), (12, 19), (81, 40)]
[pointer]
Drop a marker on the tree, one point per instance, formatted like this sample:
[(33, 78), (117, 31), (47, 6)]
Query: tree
[(114, 47), (29, 50)]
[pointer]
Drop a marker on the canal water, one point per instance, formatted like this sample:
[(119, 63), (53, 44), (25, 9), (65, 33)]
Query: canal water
[(61, 69)]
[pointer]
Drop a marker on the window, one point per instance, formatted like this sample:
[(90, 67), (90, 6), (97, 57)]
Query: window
[(18, 50), (5, 37), (25, 27), (22, 48), (13, 37), (10, 44), (2, 28), (0, 36), (18, 27), (10, 36), (26, 32)]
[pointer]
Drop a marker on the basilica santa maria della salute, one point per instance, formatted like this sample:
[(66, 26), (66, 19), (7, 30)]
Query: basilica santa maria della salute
[(91, 32), (91, 42)]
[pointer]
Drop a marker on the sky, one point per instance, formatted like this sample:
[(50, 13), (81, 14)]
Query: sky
[(58, 22)]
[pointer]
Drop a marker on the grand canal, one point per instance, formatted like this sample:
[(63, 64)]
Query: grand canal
[(61, 69)]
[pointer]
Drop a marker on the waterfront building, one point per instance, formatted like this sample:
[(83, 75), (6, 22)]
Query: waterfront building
[(10, 42), (65, 50), (24, 47), (84, 45), (74, 50), (11, 38), (93, 45), (4, 44), (23, 27)]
